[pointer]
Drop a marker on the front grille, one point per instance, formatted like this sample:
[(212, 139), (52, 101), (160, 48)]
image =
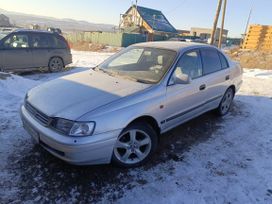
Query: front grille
[(38, 115)]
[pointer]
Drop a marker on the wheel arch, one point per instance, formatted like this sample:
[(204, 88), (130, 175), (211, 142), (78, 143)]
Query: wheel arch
[(233, 88), (57, 57), (149, 120)]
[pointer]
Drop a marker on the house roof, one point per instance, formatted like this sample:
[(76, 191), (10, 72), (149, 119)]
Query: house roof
[(156, 20)]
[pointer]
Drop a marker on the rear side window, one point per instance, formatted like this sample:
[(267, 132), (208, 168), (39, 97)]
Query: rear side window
[(224, 62), (41, 41), (211, 60), (60, 43)]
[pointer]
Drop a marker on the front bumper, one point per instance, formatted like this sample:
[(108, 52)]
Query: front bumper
[(95, 149)]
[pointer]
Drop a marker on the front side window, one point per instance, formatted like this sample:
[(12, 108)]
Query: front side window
[(17, 41), (190, 64), (2, 35), (211, 60), (142, 64)]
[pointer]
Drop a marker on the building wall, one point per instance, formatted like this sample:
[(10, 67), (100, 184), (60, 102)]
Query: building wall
[(205, 33), (259, 37), (132, 18)]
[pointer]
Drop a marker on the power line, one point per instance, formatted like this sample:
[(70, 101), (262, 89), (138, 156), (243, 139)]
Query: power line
[(176, 7), (249, 17)]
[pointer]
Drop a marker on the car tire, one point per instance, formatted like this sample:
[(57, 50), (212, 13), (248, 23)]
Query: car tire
[(135, 145), (225, 103), (55, 64)]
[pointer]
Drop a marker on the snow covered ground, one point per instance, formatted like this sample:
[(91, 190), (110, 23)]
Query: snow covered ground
[(207, 160)]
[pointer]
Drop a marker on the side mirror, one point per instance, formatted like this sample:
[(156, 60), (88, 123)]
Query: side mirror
[(181, 79)]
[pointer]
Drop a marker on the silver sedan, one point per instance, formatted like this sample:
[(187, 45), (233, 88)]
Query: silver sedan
[(116, 111)]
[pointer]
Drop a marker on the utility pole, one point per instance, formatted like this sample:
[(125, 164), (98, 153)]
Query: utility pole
[(222, 25), (248, 20), (216, 20)]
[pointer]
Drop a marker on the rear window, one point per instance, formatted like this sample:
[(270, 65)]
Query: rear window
[(211, 60)]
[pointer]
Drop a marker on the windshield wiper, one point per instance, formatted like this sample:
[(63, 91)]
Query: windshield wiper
[(117, 74), (144, 81), (104, 71)]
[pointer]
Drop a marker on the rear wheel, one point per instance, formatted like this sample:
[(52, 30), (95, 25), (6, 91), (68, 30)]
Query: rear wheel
[(226, 102), (55, 64), (134, 145)]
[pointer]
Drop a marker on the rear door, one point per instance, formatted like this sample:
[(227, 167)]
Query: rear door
[(16, 51), (42, 47), (216, 76), (61, 49)]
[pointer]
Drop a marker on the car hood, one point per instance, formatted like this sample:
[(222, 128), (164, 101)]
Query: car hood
[(72, 96)]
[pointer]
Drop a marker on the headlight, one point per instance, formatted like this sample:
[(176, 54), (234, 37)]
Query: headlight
[(82, 129), (72, 128)]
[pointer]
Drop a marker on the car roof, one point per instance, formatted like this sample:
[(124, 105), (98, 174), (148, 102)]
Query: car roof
[(172, 45), (32, 31)]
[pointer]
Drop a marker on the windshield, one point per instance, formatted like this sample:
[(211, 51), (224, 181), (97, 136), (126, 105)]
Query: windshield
[(142, 64), (2, 35)]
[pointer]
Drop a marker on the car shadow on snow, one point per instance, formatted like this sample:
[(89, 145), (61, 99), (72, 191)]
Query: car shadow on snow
[(43, 178)]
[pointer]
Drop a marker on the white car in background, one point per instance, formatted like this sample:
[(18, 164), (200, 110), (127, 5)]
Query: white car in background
[(117, 111)]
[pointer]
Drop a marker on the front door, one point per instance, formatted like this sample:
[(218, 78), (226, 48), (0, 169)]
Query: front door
[(184, 101), (16, 52)]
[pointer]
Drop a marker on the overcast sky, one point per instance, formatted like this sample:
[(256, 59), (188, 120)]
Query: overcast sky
[(183, 14)]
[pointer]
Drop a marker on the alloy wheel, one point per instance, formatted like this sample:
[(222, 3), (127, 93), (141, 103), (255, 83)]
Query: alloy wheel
[(226, 101), (132, 146), (55, 64)]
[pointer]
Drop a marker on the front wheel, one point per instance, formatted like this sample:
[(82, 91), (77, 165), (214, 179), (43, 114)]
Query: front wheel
[(134, 145), (226, 102), (55, 64)]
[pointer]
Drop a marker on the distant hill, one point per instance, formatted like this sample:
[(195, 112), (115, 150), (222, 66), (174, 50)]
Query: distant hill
[(24, 20)]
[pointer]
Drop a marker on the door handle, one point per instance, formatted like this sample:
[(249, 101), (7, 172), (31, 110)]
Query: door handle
[(227, 77), (202, 87)]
